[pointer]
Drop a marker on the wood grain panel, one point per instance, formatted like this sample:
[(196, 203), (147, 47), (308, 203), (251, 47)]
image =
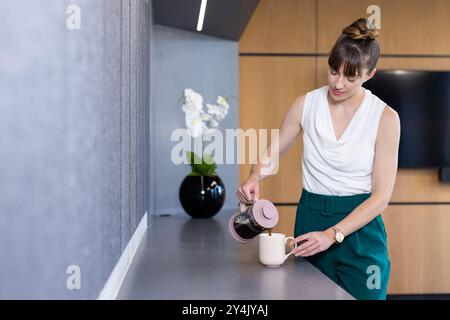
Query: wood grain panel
[(407, 26), (420, 185), (268, 87), (281, 26), (286, 220), (418, 241)]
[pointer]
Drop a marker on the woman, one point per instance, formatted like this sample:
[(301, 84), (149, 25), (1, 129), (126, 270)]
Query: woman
[(350, 152)]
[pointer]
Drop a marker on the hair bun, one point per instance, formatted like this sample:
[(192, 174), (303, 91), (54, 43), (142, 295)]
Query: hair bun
[(361, 29)]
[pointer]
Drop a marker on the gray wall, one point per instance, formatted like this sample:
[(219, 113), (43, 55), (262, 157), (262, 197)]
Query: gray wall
[(73, 142), (209, 65)]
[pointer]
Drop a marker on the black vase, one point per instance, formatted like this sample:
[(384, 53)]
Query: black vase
[(202, 196)]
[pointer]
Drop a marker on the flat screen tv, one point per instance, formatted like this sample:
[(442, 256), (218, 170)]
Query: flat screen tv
[(422, 100)]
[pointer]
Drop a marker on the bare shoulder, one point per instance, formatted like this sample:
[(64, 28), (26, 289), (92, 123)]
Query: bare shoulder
[(300, 101), (389, 126), (390, 118), (297, 109)]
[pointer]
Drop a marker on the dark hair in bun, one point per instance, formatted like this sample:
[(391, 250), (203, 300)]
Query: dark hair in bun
[(356, 48), (361, 29)]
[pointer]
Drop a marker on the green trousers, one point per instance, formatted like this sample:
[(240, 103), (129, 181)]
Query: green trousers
[(360, 264)]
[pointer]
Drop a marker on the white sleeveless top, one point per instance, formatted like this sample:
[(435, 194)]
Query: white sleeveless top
[(339, 167)]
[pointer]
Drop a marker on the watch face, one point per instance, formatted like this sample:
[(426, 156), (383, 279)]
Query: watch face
[(339, 236)]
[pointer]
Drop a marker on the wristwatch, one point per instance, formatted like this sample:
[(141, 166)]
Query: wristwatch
[(338, 235)]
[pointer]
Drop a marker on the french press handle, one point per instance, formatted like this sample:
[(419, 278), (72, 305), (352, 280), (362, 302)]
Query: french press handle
[(243, 206)]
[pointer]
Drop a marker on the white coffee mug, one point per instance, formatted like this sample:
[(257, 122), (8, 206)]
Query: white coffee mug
[(272, 249)]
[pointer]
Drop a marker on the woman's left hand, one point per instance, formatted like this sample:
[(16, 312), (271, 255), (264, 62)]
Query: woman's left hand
[(312, 243)]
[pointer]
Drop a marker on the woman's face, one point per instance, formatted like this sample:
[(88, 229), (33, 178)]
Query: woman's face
[(343, 87)]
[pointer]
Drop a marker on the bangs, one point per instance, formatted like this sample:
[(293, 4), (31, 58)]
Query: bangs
[(347, 56)]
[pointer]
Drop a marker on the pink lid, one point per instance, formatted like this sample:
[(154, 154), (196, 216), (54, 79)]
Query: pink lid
[(265, 213)]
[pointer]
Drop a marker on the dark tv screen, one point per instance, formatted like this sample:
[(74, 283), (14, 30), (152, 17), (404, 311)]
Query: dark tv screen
[(422, 101)]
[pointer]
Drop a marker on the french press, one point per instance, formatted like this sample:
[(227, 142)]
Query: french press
[(252, 219)]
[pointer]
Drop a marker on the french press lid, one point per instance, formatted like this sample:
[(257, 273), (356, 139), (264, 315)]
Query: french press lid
[(264, 213)]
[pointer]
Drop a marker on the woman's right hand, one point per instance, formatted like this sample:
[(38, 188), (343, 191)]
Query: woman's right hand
[(248, 190)]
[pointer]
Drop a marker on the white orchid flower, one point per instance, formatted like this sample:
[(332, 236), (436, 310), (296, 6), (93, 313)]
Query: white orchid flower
[(192, 110), (192, 97), (199, 122), (194, 125), (206, 117), (217, 111), (223, 102)]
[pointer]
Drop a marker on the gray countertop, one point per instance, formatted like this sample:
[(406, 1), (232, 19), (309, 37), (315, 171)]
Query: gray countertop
[(184, 258)]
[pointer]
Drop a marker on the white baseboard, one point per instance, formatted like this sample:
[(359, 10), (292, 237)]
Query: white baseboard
[(114, 282)]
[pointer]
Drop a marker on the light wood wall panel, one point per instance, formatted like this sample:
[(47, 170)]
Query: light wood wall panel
[(286, 222), (268, 87), (286, 26), (419, 240), (407, 26)]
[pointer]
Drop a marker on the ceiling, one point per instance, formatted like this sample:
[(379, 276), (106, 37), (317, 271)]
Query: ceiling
[(223, 18)]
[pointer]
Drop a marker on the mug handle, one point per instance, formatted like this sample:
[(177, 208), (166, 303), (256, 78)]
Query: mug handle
[(285, 243)]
